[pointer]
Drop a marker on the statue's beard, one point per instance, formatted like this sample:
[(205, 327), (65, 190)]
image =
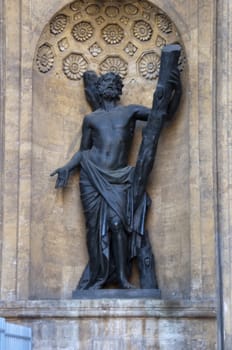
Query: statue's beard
[(110, 94)]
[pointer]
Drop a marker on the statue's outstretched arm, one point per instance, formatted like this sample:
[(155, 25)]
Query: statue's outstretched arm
[(64, 172)]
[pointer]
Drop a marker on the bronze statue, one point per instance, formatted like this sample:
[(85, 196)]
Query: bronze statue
[(113, 193)]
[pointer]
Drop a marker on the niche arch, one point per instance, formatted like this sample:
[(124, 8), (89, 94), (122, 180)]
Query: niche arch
[(126, 37)]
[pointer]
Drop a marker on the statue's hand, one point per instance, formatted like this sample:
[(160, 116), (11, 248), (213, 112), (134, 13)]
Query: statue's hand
[(63, 175)]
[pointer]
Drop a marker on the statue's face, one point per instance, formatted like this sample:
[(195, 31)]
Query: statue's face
[(108, 87)]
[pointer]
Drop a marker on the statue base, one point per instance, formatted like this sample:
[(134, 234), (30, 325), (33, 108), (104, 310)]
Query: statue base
[(116, 293)]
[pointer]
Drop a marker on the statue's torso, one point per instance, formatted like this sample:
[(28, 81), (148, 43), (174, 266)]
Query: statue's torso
[(111, 133)]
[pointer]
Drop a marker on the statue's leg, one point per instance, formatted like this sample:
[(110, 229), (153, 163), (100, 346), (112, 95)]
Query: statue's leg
[(120, 251), (90, 272), (92, 245), (92, 238), (95, 273)]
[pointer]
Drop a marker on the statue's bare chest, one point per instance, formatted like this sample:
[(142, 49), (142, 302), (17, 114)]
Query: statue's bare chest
[(112, 122)]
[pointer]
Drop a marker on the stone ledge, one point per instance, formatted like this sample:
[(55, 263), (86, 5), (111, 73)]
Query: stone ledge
[(74, 309)]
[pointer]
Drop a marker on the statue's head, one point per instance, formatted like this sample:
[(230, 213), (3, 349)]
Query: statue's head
[(110, 86)]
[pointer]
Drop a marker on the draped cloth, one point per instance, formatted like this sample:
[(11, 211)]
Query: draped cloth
[(104, 195)]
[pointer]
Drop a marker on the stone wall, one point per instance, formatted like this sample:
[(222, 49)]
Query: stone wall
[(42, 230), (116, 324)]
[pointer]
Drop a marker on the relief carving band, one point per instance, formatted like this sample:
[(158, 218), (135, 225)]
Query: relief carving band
[(113, 193)]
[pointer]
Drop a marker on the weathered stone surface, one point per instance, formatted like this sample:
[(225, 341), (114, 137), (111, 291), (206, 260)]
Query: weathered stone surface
[(42, 238), (117, 324), (148, 333)]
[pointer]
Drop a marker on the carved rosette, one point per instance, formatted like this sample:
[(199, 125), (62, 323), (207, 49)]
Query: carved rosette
[(112, 11), (146, 5), (130, 49), (100, 20), (142, 30), (82, 31), (77, 16), (160, 42), (164, 23), (74, 66), (124, 19), (63, 44), (114, 64), (149, 65), (76, 5), (95, 50), (146, 15), (112, 34), (45, 58), (58, 24), (93, 10), (131, 9)]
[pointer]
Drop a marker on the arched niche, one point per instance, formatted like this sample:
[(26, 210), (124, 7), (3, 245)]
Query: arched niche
[(126, 37)]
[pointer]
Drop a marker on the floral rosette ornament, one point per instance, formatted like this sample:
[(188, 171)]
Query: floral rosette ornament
[(74, 66), (82, 31), (160, 42), (95, 50), (130, 49), (130, 9), (164, 24), (76, 5), (45, 58), (93, 10), (58, 24), (114, 64), (63, 44), (142, 30), (112, 11), (112, 34), (149, 65)]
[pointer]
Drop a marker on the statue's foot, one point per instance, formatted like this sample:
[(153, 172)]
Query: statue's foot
[(124, 284)]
